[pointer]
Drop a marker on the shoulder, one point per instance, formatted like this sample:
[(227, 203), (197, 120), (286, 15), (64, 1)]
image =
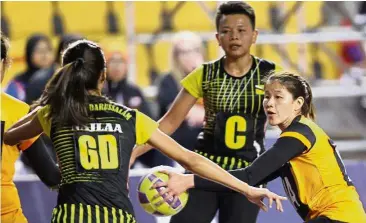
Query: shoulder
[(265, 64), (123, 109), (17, 106), (212, 63), (301, 128)]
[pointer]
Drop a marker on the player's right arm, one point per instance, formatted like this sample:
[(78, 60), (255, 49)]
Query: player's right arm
[(187, 97), (147, 131)]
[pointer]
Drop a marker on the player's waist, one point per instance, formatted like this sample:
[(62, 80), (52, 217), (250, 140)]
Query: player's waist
[(226, 162), (9, 199), (100, 194), (335, 202), (86, 212)]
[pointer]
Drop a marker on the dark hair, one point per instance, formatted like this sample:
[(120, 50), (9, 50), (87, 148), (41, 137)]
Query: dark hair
[(235, 7), (67, 91), (298, 87), (5, 49), (65, 40)]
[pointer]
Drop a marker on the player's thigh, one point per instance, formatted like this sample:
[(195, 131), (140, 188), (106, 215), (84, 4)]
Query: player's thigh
[(236, 208), (16, 216), (323, 219), (201, 208)]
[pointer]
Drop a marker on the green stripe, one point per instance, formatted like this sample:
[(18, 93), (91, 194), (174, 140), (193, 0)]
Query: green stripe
[(81, 213), (245, 96), (59, 214), (253, 93), (65, 214)]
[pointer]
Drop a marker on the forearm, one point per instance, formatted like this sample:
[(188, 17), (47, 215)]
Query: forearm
[(22, 132), (196, 163), (264, 169), (210, 172), (47, 169)]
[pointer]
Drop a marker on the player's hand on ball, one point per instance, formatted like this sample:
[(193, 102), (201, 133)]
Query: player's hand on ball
[(177, 184), (256, 195)]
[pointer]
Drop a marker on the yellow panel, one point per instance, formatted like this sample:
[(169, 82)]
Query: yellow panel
[(84, 17), (262, 14), (142, 66), (162, 55), (313, 12), (112, 43), (119, 10), (330, 70), (213, 50), (26, 18), (292, 25), (192, 17), (147, 16), (267, 52)]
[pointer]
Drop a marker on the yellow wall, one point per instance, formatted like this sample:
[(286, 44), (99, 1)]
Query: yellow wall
[(89, 19)]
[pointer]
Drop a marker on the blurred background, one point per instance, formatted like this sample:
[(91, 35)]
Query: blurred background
[(151, 46)]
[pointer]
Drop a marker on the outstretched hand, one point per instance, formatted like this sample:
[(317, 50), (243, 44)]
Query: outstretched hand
[(256, 195)]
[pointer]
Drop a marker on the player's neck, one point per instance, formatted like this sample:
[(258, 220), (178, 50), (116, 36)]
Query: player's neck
[(239, 66)]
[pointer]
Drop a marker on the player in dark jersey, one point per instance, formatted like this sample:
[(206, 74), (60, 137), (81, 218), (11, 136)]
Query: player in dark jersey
[(234, 124), (304, 156), (93, 138)]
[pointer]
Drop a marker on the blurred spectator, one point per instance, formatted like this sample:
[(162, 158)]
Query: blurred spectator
[(187, 54), (121, 91), (40, 78), (38, 55), (117, 86)]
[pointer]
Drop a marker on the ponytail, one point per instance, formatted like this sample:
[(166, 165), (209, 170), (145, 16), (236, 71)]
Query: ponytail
[(310, 113), (67, 94)]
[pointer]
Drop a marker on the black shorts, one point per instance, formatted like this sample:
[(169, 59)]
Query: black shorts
[(203, 205)]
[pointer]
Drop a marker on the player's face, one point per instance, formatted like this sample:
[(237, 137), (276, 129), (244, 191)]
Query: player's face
[(236, 35), (42, 55), (279, 104), (116, 68)]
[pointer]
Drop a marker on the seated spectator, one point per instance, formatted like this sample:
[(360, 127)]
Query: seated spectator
[(38, 55)]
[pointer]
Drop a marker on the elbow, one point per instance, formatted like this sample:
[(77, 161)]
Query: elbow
[(8, 140)]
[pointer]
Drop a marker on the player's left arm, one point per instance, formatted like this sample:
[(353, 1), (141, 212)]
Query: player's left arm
[(28, 130), (41, 161), (296, 140)]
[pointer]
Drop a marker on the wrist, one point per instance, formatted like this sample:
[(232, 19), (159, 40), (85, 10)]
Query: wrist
[(246, 189), (190, 180)]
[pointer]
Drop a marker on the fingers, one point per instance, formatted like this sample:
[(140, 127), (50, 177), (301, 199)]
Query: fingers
[(279, 206), (159, 184), (162, 191), (278, 199), (167, 172), (270, 202), (262, 205)]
